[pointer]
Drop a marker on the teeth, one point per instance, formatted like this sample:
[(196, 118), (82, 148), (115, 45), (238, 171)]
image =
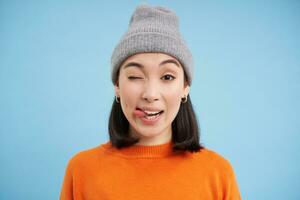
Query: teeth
[(151, 117), (151, 112)]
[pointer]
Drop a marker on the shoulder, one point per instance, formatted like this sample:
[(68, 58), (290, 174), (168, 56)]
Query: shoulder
[(215, 162), (87, 157), (219, 171)]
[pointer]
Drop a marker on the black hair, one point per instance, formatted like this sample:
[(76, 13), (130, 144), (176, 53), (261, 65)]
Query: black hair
[(185, 129)]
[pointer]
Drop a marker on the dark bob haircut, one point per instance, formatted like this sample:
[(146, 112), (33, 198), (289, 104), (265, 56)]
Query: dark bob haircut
[(185, 130)]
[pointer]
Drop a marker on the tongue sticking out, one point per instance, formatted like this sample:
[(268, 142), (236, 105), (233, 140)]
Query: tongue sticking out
[(139, 113)]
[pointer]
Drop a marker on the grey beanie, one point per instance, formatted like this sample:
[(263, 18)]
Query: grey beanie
[(152, 29)]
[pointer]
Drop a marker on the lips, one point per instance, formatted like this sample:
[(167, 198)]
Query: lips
[(148, 116), (143, 112)]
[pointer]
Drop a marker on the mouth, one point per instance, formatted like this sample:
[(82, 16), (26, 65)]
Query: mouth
[(147, 114)]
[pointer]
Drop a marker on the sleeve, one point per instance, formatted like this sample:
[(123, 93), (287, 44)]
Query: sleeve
[(67, 186), (232, 190)]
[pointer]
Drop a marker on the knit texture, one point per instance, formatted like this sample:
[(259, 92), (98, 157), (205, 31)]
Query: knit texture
[(152, 29), (148, 172)]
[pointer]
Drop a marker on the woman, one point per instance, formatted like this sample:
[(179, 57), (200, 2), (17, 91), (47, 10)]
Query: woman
[(154, 150)]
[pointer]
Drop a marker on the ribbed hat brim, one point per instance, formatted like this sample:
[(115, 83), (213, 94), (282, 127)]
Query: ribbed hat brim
[(145, 42)]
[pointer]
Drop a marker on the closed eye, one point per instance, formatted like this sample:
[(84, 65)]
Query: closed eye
[(134, 77)]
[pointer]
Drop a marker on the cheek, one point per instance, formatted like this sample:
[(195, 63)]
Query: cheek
[(173, 100), (129, 95)]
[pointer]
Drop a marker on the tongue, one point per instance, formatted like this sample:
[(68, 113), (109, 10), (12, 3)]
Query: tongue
[(139, 113)]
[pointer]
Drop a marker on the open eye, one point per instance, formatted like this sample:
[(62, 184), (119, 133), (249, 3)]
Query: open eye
[(168, 77)]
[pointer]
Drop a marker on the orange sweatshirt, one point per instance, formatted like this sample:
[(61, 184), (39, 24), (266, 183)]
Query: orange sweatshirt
[(148, 172)]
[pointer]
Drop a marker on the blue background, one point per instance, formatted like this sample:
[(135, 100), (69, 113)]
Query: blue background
[(56, 92)]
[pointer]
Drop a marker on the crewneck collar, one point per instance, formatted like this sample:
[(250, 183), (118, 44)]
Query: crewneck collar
[(141, 151)]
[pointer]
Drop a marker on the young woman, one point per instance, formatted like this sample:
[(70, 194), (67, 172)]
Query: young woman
[(154, 150)]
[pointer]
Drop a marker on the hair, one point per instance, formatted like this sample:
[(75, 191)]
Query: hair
[(185, 129)]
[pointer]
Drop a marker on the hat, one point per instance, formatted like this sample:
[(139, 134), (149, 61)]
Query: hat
[(152, 29)]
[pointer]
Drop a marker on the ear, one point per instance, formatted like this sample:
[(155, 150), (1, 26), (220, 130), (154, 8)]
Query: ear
[(186, 90), (117, 89)]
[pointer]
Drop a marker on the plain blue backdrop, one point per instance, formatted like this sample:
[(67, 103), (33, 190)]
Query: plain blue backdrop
[(56, 92)]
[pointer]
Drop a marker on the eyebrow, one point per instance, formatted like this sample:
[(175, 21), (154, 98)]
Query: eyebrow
[(135, 64)]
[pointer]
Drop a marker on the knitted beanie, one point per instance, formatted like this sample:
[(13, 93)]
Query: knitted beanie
[(152, 29)]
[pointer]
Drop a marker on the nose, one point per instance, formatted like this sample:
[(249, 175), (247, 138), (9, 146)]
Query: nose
[(151, 91)]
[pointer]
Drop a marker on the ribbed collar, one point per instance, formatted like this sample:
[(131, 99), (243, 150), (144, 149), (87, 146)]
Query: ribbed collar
[(141, 151)]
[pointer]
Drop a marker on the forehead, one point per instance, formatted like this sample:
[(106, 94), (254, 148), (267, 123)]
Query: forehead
[(150, 59)]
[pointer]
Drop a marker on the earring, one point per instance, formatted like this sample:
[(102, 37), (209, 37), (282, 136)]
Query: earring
[(184, 99), (117, 99)]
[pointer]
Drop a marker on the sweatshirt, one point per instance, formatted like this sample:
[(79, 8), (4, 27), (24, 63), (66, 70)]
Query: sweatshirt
[(148, 172)]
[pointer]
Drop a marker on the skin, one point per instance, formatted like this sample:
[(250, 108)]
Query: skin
[(152, 84)]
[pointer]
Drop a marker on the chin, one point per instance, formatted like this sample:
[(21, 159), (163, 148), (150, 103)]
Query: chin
[(149, 135)]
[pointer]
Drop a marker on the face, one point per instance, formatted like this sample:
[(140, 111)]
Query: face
[(150, 87)]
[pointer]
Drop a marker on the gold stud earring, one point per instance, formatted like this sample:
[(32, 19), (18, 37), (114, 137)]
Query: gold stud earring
[(184, 99), (117, 99)]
